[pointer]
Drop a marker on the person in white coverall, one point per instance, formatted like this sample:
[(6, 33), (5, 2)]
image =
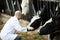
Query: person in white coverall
[(12, 25)]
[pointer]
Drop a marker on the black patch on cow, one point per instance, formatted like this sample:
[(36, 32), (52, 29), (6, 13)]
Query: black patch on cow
[(50, 28), (47, 29), (36, 24)]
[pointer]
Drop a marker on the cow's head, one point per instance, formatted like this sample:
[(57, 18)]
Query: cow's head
[(35, 22), (25, 6), (51, 26)]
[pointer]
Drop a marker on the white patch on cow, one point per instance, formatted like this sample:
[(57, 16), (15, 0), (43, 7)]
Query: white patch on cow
[(25, 6), (39, 12), (49, 21), (56, 8), (32, 20)]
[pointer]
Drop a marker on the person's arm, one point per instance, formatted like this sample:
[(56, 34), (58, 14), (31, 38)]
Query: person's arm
[(19, 28)]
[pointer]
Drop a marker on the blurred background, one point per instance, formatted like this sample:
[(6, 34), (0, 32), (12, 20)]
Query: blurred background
[(8, 8)]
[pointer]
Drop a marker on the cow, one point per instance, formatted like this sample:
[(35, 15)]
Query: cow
[(44, 16), (25, 6), (52, 27)]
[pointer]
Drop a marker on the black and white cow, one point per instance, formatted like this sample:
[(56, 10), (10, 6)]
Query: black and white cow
[(44, 16), (53, 26)]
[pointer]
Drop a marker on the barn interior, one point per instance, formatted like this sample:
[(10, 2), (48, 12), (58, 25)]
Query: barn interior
[(8, 8)]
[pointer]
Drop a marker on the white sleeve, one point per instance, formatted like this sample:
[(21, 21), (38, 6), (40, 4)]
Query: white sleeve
[(19, 28)]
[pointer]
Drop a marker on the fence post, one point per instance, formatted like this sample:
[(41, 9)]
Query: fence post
[(13, 9), (8, 9), (18, 5)]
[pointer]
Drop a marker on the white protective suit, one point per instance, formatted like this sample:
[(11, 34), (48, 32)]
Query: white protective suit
[(9, 30)]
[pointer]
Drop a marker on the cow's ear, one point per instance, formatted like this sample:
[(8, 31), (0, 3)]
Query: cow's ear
[(39, 12)]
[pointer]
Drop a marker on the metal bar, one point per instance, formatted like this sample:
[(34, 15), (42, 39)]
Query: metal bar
[(51, 0), (13, 6), (18, 5), (7, 5)]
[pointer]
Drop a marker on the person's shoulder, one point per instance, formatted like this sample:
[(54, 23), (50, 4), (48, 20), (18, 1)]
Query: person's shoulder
[(11, 19), (14, 19)]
